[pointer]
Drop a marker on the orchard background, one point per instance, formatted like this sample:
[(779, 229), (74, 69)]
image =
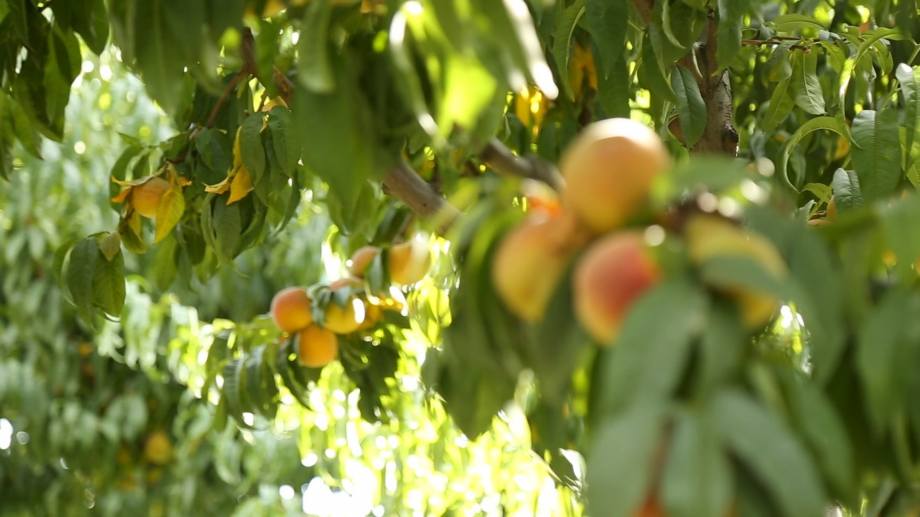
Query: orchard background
[(551, 310)]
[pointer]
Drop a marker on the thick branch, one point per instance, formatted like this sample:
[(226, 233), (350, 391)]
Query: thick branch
[(503, 161), (404, 184)]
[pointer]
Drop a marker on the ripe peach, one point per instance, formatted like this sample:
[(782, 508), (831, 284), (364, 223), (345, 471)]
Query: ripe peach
[(615, 272), (316, 346), (609, 170), (344, 319), (710, 236), (361, 260), (145, 198), (408, 262), (291, 309), (529, 262)]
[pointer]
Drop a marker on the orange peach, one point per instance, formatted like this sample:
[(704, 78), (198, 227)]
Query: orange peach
[(291, 309), (610, 277)]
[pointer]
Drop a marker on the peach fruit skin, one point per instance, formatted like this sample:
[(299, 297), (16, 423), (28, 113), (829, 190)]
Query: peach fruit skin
[(408, 262), (362, 259), (609, 170), (529, 262), (710, 236), (291, 309), (614, 272), (316, 346)]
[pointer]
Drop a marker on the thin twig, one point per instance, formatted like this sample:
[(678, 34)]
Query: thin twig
[(503, 161), (403, 183)]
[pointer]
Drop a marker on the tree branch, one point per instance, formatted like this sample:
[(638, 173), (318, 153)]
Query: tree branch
[(497, 156), (405, 184)]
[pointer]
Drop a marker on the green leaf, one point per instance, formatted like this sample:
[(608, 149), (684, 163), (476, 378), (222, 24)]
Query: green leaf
[(620, 461), (109, 245), (282, 131), (607, 21), (647, 360), (736, 272), (697, 477), (909, 78), (728, 37), (773, 454), (824, 433), (793, 22), (228, 228), (154, 54), (847, 194), (651, 74), (805, 85), (828, 123), (870, 38), (109, 284), (337, 136), (877, 153), (882, 355), (690, 105), (562, 41), (898, 221), (315, 70), (780, 106), (251, 151), (79, 270)]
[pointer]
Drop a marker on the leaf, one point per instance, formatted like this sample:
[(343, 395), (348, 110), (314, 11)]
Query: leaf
[(829, 123), (648, 359), (512, 20), (337, 136), (251, 152), (881, 354), (847, 194), (690, 105), (877, 153), (909, 78), (728, 37), (282, 133), (780, 106), (562, 41), (169, 212), (824, 433), (898, 222), (651, 75), (607, 21), (109, 245), (869, 39), (793, 21), (770, 451), (109, 285), (315, 70), (154, 55), (620, 461), (697, 477), (79, 269), (240, 186), (805, 85)]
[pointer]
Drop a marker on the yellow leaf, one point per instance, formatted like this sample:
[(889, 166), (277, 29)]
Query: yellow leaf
[(240, 186), (219, 188), (134, 222), (169, 212), (121, 196)]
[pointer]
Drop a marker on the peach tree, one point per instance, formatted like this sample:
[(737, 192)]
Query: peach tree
[(681, 231)]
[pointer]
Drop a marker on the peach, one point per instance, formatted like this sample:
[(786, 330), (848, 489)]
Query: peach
[(145, 198), (291, 309), (710, 236), (316, 346), (609, 170), (408, 262), (610, 277), (529, 262), (362, 259)]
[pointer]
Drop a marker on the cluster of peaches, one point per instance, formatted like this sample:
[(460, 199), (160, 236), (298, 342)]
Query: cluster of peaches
[(345, 306), (609, 173)]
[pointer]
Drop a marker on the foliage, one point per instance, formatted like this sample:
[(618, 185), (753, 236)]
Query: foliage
[(332, 118)]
